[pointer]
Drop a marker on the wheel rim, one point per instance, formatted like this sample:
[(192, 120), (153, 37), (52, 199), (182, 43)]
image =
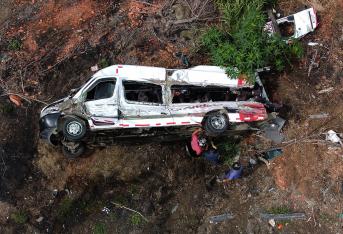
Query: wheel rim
[(74, 128), (218, 122)]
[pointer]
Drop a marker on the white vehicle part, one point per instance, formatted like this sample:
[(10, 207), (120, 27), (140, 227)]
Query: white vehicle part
[(206, 78), (303, 22), (249, 112)]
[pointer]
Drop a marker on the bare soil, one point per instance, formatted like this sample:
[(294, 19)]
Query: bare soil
[(61, 40)]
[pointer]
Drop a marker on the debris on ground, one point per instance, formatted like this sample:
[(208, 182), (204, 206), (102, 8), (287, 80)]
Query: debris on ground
[(319, 116), (272, 130), (272, 153), (94, 68), (220, 218), (332, 136), (327, 90), (279, 226), (280, 217), (15, 99), (271, 222)]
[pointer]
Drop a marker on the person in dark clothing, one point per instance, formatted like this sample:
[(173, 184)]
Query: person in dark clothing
[(212, 155), (235, 172)]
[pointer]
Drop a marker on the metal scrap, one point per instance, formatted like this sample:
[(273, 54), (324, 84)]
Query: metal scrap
[(221, 218), (272, 130), (272, 153), (289, 216), (328, 90), (333, 137), (319, 116)]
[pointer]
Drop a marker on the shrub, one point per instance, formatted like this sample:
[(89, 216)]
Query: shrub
[(136, 219), (99, 228), (14, 44), (240, 44), (233, 10), (280, 210), (65, 209), (19, 217), (103, 63), (228, 149)]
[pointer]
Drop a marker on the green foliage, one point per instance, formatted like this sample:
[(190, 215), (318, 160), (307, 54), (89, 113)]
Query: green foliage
[(212, 38), (65, 209), (136, 219), (234, 10), (14, 44), (228, 149), (103, 63), (89, 206), (240, 44), (19, 217), (6, 108), (121, 199), (99, 228), (280, 210), (113, 216), (133, 189)]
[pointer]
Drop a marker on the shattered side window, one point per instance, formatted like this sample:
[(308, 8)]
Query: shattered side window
[(196, 94), (102, 90), (142, 92)]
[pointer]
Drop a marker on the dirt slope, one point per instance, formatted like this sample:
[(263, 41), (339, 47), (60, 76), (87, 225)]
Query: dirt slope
[(58, 43)]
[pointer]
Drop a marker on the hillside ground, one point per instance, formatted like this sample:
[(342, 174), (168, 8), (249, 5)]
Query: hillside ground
[(47, 48)]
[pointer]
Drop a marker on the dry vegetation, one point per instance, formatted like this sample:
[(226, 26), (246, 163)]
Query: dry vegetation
[(47, 48)]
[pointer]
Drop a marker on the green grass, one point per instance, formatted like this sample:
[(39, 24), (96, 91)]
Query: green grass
[(14, 44), (103, 63), (228, 149), (65, 209), (19, 217), (121, 199), (99, 228), (133, 189), (136, 219), (113, 216), (280, 210)]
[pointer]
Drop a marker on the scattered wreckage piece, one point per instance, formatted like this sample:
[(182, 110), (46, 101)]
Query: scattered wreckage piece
[(220, 218), (131, 99), (316, 52), (280, 217), (272, 153), (272, 130), (333, 137), (328, 90), (294, 26), (319, 116)]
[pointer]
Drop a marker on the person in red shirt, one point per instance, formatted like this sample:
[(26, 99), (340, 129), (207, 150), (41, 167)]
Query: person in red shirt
[(198, 142)]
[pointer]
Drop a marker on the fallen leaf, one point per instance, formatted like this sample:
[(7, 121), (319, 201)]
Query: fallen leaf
[(15, 99)]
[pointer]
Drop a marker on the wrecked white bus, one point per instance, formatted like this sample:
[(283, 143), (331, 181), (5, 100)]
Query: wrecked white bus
[(128, 99)]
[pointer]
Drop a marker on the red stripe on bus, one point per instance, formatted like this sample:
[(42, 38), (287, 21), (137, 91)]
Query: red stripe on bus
[(171, 123), (142, 125), (185, 122)]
